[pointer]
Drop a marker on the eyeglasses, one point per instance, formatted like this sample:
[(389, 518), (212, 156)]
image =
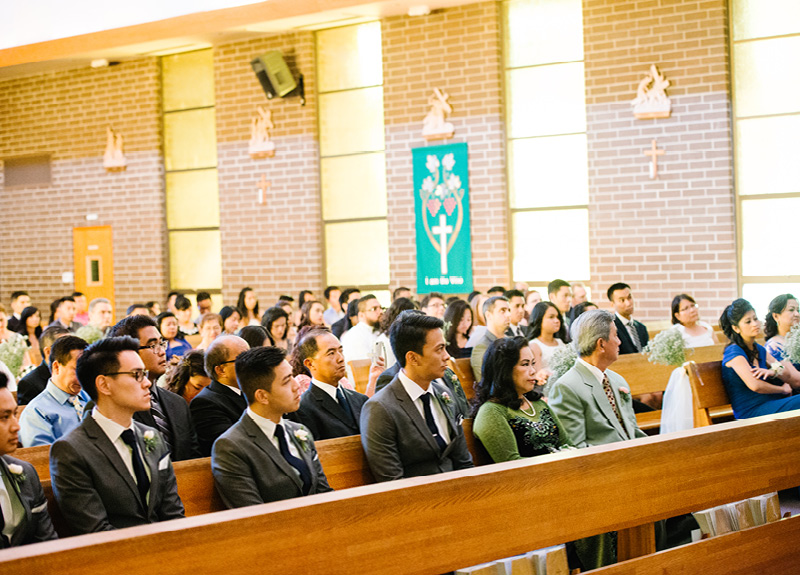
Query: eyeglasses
[(693, 306), (154, 347), (137, 374), (224, 362)]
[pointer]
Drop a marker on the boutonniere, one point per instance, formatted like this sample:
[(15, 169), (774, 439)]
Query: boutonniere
[(17, 472), (149, 440), (302, 437), (625, 393), (446, 399)]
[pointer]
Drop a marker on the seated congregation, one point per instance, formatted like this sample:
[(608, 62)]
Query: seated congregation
[(259, 394)]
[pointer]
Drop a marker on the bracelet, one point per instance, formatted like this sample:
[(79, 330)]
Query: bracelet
[(778, 368)]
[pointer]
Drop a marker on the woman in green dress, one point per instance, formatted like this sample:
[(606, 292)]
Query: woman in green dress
[(511, 419)]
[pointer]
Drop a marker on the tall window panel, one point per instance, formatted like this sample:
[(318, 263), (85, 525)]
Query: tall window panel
[(766, 104), (546, 127), (352, 157), (190, 163)]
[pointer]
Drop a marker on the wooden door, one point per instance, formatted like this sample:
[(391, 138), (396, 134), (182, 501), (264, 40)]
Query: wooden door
[(94, 262)]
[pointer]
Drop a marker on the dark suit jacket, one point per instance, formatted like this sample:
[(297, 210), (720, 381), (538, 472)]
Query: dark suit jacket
[(337, 328), (32, 384), (95, 490), (36, 525), (214, 410), (248, 469), (398, 443), (450, 380), (13, 323), (323, 415), (525, 329), (184, 440), (627, 345)]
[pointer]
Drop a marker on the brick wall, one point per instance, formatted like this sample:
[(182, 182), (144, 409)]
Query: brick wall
[(458, 50), (674, 234), (65, 113)]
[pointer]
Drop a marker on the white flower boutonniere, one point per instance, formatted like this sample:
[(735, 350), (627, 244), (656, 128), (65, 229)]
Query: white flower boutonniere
[(17, 472), (625, 393), (446, 399), (302, 437), (149, 440)]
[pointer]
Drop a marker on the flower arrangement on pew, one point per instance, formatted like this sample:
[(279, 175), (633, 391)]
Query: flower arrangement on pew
[(89, 333), (562, 361), (12, 353), (666, 348), (792, 345)]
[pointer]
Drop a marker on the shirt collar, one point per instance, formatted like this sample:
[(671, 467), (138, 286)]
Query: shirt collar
[(62, 396), (267, 426), (326, 387), (412, 388), (624, 321), (595, 371), (235, 390), (111, 428)]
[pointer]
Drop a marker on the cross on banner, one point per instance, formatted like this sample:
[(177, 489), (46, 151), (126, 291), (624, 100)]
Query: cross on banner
[(442, 230)]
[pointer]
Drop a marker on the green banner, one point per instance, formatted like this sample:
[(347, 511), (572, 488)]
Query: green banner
[(441, 206)]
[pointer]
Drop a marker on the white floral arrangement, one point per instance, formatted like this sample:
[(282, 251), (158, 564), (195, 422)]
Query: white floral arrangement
[(302, 437), (666, 348), (89, 333), (791, 347), (562, 361), (149, 440), (12, 353), (17, 472)]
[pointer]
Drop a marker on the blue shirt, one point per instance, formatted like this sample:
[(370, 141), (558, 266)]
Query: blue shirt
[(49, 416), (181, 348)]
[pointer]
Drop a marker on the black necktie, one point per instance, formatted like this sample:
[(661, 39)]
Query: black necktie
[(426, 404), (343, 403), (295, 462), (138, 465)]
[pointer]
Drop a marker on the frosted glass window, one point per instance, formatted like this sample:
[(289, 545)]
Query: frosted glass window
[(542, 31), (546, 100), (192, 199), (566, 232), (195, 260), (354, 186), (759, 18), (357, 253), (188, 80), (351, 122), (767, 152), (549, 171), (190, 140), (759, 295), (765, 76), (349, 57), (765, 252)]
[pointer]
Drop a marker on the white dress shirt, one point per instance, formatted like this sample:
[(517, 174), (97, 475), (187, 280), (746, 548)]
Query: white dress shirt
[(327, 388), (599, 375), (270, 428), (113, 431), (415, 392)]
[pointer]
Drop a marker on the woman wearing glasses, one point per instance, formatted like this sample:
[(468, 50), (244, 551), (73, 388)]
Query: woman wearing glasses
[(686, 319)]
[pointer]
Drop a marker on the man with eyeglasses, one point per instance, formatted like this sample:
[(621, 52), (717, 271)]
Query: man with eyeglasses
[(221, 404), (168, 412), (433, 305), (112, 472), (358, 342)]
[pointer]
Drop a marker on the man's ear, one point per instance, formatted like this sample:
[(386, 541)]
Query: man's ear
[(55, 368), (103, 385), (308, 362), (262, 396)]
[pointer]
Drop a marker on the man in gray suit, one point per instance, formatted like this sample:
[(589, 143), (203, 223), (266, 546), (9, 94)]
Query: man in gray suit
[(112, 472), (409, 428), (264, 457)]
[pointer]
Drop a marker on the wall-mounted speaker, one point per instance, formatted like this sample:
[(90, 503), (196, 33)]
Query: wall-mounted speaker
[(274, 75)]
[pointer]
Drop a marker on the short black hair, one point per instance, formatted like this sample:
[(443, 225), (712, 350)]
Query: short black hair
[(488, 305), (556, 285), (616, 287), (287, 298), (18, 294), (134, 306), (182, 302), (51, 334), (173, 293), (409, 332), (77, 294), (3, 380), (255, 369), (501, 289), (102, 358), (161, 317), (346, 295), (396, 292), (328, 291), (362, 302), (62, 348), (254, 335), (427, 299), (130, 326), (202, 296), (513, 293)]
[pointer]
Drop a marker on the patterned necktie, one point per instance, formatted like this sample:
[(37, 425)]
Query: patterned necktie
[(161, 421), (142, 482), (343, 403), (612, 400), (426, 404), (295, 462), (634, 333), (76, 403)]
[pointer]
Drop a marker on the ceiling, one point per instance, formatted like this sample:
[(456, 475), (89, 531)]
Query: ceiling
[(202, 30)]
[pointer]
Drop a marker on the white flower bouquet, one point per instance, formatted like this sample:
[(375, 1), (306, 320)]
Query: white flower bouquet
[(89, 333), (12, 353), (666, 348), (792, 346), (562, 361)]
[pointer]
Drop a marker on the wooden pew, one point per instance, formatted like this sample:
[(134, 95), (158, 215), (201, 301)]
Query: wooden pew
[(463, 369), (708, 390), (440, 523)]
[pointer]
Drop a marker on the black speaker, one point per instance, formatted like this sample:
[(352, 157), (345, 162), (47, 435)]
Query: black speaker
[(274, 75)]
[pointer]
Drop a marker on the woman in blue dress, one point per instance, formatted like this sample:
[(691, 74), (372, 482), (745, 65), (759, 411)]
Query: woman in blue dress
[(757, 384)]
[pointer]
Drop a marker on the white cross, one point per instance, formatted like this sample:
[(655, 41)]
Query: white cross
[(442, 230)]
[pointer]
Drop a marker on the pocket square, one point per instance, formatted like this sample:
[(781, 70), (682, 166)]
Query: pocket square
[(164, 463), (40, 508)]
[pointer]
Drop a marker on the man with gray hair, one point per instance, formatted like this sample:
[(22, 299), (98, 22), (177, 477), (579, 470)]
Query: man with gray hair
[(101, 315)]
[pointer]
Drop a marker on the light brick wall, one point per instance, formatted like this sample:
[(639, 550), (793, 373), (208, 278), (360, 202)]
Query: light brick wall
[(674, 234), (65, 113)]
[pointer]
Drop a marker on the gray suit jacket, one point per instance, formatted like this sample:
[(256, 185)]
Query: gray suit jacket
[(398, 443), (35, 525), (581, 404), (476, 359), (95, 490), (248, 469)]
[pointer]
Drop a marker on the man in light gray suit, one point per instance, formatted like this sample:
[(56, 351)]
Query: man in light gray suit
[(112, 472), (409, 428), (264, 457)]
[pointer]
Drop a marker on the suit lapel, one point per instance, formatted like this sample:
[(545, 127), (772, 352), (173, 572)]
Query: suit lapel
[(22, 528), (413, 414), (615, 386), (452, 430), (101, 441), (624, 336), (327, 403), (601, 399), (265, 444), (150, 459), (304, 451)]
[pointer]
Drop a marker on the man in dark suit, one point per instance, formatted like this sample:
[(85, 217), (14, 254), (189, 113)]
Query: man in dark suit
[(264, 457), (409, 427), (221, 404), (19, 301), (35, 381), (327, 409), (23, 507), (350, 315), (168, 412), (632, 334), (516, 303), (112, 472)]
